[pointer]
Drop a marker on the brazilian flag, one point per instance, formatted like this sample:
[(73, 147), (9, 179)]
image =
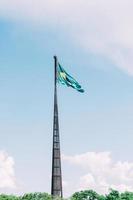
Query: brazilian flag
[(64, 78)]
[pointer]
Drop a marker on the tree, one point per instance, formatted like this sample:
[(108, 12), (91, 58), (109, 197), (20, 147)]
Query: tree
[(36, 196), (113, 195), (87, 195), (8, 197), (127, 196)]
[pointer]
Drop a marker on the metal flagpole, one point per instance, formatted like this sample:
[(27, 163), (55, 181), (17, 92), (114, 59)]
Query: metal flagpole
[(56, 185)]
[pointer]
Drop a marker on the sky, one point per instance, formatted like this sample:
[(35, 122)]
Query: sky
[(94, 43)]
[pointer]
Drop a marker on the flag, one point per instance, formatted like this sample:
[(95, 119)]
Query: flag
[(64, 78)]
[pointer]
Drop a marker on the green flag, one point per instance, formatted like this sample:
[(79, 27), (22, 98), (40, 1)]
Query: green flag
[(64, 78)]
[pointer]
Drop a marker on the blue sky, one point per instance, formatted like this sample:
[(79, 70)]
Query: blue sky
[(98, 121)]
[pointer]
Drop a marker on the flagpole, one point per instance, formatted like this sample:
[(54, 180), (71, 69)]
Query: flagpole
[(56, 185), (55, 74)]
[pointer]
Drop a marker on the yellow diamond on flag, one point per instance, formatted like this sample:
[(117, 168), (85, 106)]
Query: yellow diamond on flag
[(63, 75)]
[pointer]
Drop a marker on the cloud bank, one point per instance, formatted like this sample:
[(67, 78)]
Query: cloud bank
[(101, 172), (103, 27), (7, 175)]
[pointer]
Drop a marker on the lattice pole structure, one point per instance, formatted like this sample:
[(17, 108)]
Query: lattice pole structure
[(56, 185)]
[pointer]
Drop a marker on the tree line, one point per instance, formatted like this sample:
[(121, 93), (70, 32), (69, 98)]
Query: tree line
[(82, 195)]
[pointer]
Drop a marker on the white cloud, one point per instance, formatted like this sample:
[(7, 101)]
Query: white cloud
[(7, 175), (101, 26), (101, 172)]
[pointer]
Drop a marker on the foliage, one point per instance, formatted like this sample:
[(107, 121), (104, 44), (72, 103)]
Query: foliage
[(127, 196), (36, 196), (8, 197), (92, 195), (113, 195), (82, 195), (87, 194)]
